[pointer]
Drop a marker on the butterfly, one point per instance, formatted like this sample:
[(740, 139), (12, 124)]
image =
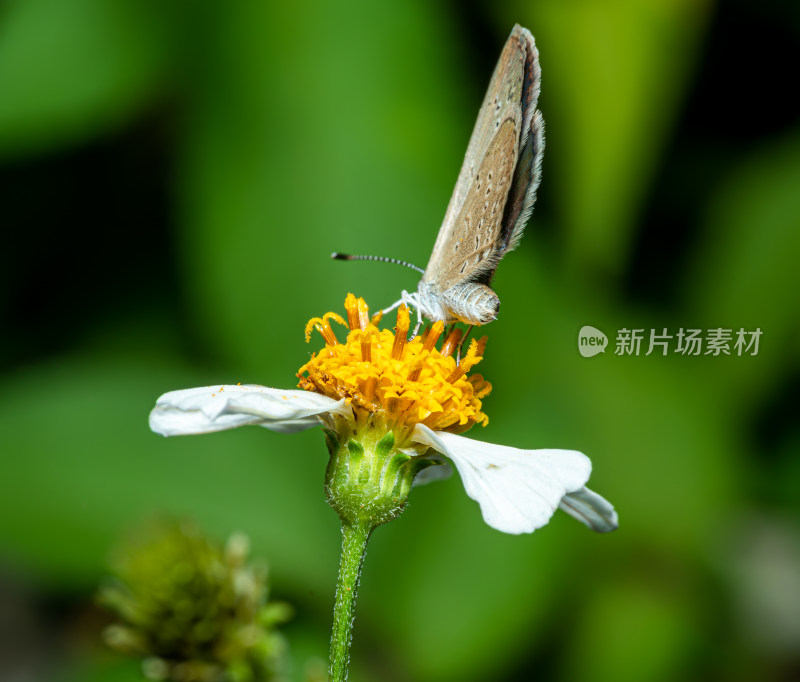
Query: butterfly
[(493, 196)]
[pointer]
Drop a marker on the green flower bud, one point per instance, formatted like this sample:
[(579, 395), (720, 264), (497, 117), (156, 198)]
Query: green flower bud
[(193, 610)]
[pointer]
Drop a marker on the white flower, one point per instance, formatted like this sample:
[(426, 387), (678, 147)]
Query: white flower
[(518, 490)]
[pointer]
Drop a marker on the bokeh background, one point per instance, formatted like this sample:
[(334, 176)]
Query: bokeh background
[(173, 178)]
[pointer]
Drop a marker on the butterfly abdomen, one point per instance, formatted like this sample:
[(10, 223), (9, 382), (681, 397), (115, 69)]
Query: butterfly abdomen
[(471, 303)]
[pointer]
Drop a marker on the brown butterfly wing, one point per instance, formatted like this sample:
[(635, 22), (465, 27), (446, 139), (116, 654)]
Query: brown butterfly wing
[(470, 245), (481, 224)]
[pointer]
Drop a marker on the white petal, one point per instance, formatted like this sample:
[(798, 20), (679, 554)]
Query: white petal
[(592, 509), (518, 490), (215, 408)]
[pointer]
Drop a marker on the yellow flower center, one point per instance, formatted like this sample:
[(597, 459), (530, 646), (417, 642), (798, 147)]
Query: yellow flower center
[(404, 383)]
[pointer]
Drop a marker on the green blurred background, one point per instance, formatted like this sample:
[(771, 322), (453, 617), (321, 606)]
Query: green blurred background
[(173, 178)]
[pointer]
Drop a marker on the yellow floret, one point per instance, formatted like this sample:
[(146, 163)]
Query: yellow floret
[(381, 373)]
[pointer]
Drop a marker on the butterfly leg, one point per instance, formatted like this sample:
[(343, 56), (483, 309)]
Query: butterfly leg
[(392, 307), (461, 343), (412, 301)]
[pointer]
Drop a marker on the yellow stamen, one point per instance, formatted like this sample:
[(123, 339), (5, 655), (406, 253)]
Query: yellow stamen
[(357, 312), (401, 335), (366, 346), (451, 342), (363, 313), (352, 313), (323, 326), (474, 356), (433, 335)]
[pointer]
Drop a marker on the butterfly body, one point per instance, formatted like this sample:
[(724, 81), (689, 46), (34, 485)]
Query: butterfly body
[(494, 194)]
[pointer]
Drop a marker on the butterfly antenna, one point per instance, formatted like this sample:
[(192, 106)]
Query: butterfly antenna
[(347, 256)]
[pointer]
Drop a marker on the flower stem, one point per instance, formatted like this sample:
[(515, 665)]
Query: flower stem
[(354, 549)]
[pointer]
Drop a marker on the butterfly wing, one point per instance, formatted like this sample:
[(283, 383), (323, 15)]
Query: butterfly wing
[(497, 184)]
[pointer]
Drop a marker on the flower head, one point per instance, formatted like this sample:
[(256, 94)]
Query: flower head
[(384, 376), (390, 406), (193, 609)]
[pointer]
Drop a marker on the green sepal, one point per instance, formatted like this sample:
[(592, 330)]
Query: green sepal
[(416, 465), (356, 452), (395, 475), (385, 445), (331, 440)]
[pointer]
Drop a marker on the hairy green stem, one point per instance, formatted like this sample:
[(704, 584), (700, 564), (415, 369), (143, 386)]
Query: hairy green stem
[(354, 549)]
